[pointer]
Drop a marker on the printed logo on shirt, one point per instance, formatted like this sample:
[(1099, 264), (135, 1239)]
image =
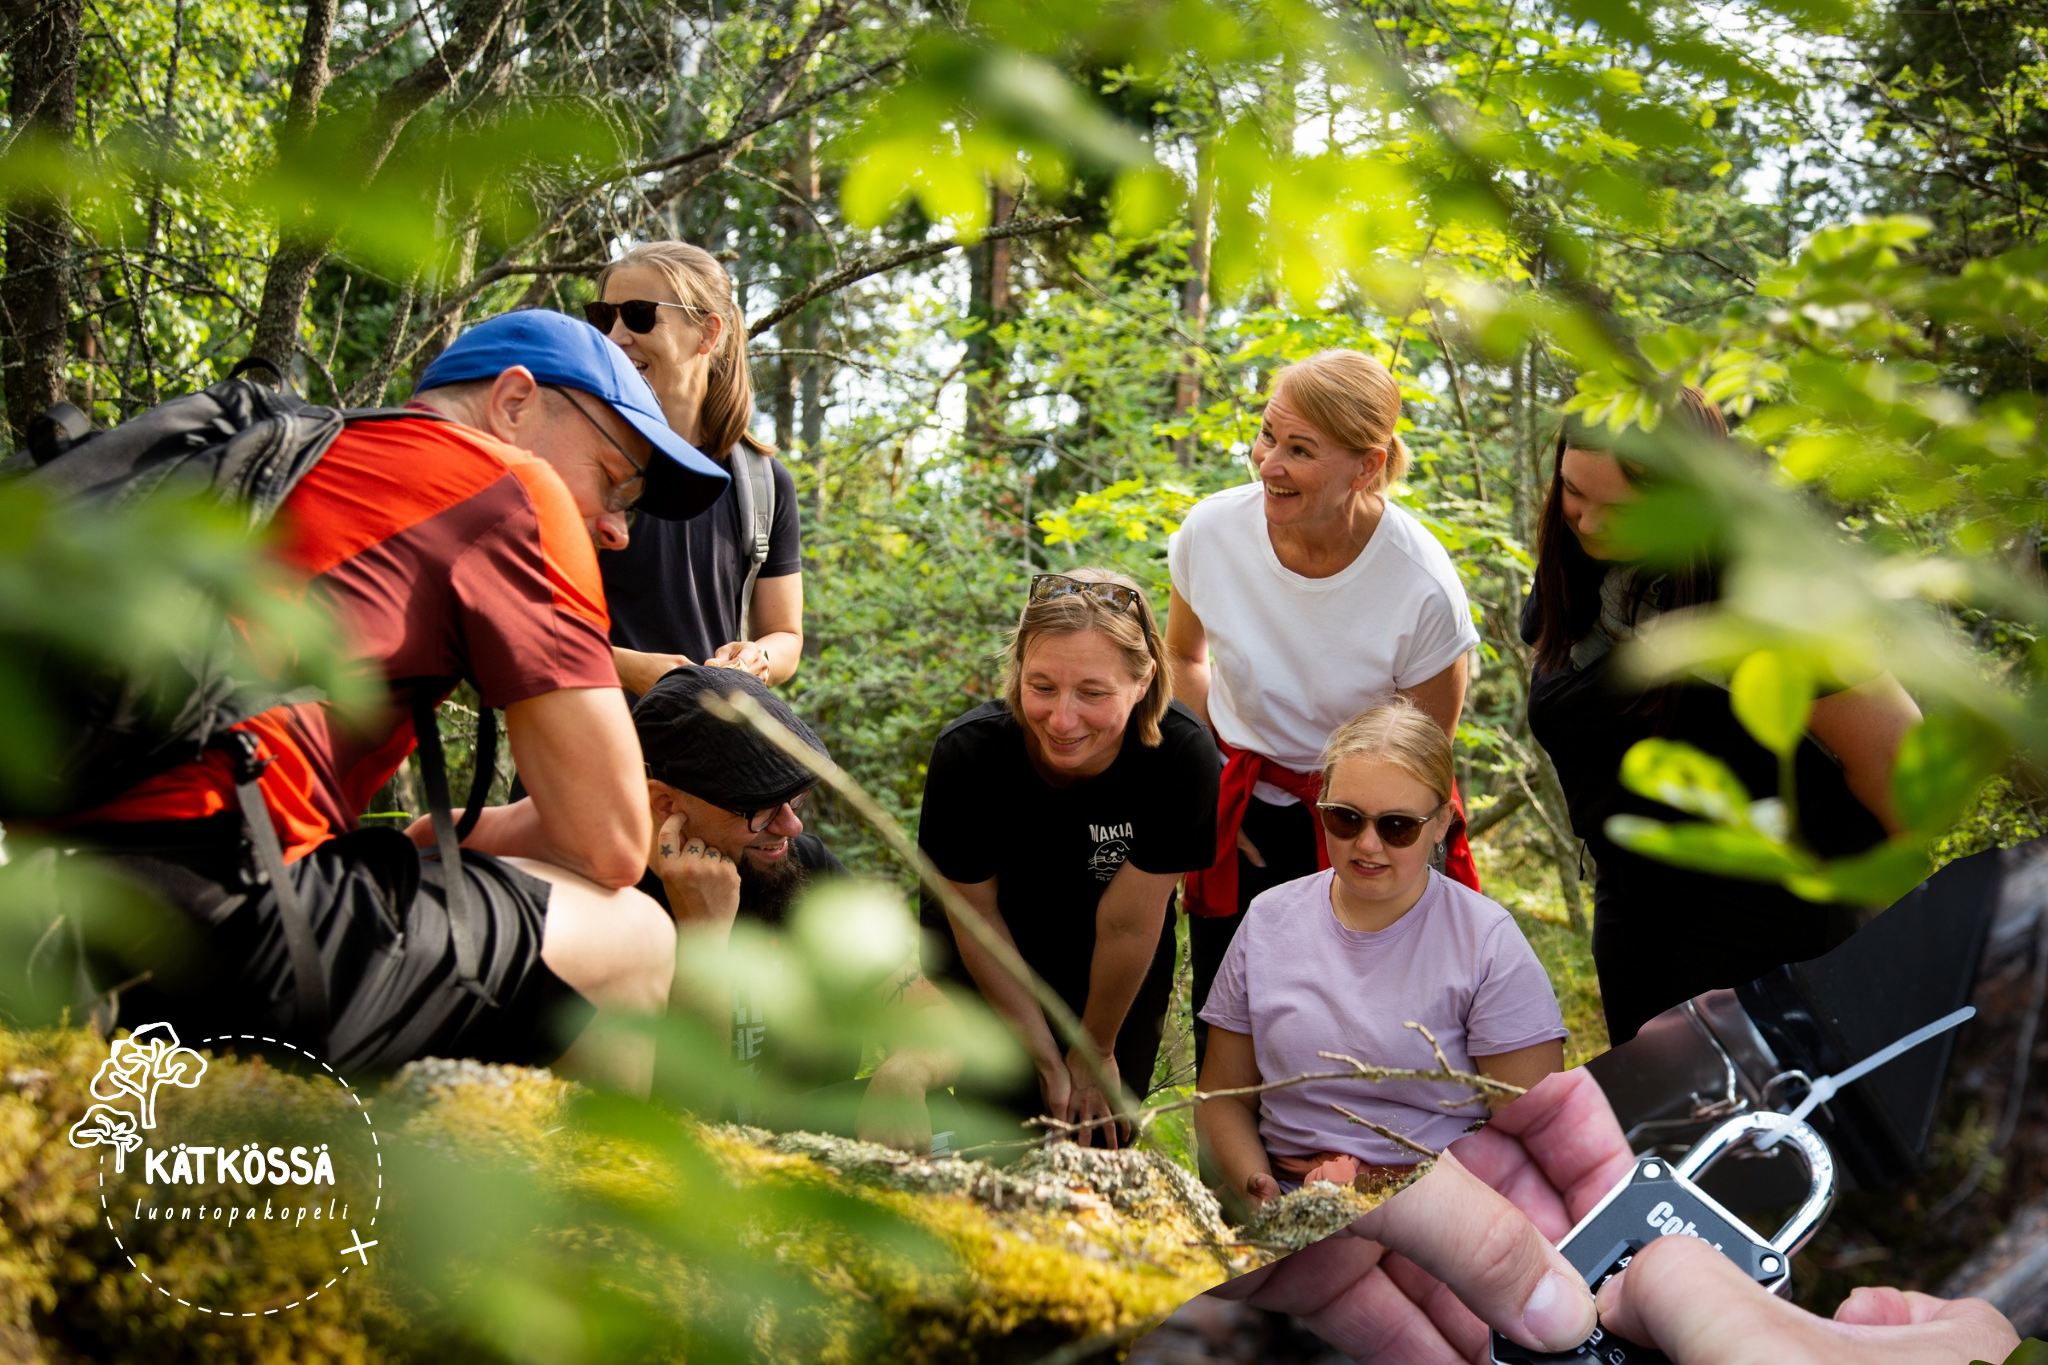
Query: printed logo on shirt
[(749, 1035), (1112, 846)]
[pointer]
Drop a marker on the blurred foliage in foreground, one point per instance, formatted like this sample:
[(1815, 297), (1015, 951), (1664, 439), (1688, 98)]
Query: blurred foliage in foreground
[(526, 1220)]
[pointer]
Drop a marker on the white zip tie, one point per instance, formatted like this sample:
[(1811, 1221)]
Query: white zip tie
[(1827, 1087)]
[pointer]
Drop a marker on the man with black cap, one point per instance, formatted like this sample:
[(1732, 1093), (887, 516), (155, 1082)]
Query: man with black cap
[(457, 543), (730, 841)]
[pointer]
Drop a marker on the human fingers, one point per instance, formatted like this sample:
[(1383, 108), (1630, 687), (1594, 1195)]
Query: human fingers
[(1554, 1153), (1057, 1092), (1689, 1301), (1249, 849), (1376, 1320), (1873, 1309), (1878, 1306), (1453, 1320), (1498, 1263), (1262, 1187), (1309, 1279), (1091, 1107), (670, 837), (1338, 1288)]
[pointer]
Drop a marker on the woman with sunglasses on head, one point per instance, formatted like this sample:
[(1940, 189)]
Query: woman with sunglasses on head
[(1064, 813), (1342, 961), (1662, 934), (680, 592), (1299, 600)]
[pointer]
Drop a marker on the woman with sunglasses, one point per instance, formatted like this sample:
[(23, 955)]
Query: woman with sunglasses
[(1662, 934), (1064, 813), (1298, 601), (1342, 961), (676, 590)]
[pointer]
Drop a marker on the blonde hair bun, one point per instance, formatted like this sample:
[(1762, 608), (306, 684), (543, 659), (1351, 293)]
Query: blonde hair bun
[(1352, 399)]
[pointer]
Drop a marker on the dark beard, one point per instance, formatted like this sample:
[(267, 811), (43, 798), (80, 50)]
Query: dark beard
[(767, 893)]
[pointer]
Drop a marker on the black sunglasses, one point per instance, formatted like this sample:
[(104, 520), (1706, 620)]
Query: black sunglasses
[(1046, 586), (640, 314), (1395, 831), (758, 820)]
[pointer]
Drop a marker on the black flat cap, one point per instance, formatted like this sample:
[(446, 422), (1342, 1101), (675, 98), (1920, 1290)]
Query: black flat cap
[(715, 760)]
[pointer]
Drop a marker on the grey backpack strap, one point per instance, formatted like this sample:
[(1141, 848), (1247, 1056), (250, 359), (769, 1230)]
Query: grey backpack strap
[(753, 484)]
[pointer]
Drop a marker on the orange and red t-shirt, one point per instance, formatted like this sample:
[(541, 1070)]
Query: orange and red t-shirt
[(442, 552)]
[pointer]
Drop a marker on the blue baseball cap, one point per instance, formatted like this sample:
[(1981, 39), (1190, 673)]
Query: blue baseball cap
[(559, 349)]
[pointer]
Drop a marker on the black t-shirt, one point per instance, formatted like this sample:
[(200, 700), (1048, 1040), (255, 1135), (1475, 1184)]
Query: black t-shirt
[(752, 1041), (1662, 933), (1052, 850), (675, 588), (1586, 719)]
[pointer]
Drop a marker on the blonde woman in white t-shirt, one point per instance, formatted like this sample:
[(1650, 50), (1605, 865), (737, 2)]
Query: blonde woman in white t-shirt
[(1298, 601)]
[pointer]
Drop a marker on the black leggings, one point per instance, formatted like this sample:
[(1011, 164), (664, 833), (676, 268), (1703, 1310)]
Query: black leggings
[(1286, 837)]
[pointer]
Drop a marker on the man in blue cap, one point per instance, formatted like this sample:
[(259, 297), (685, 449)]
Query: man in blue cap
[(456, 543)]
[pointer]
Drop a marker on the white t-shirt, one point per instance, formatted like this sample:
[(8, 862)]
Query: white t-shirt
[(1293, 658)]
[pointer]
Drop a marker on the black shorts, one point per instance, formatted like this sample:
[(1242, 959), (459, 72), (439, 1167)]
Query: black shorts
[(378, 911)]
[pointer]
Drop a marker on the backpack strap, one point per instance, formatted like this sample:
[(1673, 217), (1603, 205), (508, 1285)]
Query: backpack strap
[(465, 924), (754, 486), (310, 1016)]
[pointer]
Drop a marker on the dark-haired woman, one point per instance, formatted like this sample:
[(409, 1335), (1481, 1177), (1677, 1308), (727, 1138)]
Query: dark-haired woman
[(1064, 813), (1662, 934), (678, 592)]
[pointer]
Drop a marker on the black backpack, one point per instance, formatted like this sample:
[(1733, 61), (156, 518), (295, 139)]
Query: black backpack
[(247, 444)]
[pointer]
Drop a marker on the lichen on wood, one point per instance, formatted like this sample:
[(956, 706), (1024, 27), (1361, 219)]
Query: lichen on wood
[(1063, 1245)]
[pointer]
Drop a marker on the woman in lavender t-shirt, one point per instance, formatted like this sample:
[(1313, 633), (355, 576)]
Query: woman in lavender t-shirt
[(1343, 960)]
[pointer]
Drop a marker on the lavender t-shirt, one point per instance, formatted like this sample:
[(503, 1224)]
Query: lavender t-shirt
[(1301, 983)]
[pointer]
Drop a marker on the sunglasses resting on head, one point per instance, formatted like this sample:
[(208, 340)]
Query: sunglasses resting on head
[(1117, 597)]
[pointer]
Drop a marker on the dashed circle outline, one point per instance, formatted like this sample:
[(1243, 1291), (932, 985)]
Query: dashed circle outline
[(375, 1207)]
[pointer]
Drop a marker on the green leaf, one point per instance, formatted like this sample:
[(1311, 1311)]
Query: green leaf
[(1717, 849), (1772, 694), (1681, 776), (1877, 877), (1145, 200), (1942, 763)]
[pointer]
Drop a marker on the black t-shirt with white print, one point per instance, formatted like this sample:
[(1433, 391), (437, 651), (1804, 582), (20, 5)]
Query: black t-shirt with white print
[(1052, 850)]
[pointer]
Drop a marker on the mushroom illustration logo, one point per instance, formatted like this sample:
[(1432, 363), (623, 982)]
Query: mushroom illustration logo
[(104, 1125), (147, 1058)]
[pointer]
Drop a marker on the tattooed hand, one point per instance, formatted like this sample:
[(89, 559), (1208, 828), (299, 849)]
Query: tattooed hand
[(703, 884)]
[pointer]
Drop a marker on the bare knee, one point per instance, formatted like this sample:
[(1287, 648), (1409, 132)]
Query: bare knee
[(616, 948)]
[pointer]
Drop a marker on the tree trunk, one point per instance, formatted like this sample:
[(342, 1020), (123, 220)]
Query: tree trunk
[(302, 241), (299, 250), (42, 108), (989, 299), (1564, 845), (815, 374), (2011, 1271), (1194, 301)]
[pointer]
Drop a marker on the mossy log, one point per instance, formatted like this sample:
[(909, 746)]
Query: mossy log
[(1063, 1247)]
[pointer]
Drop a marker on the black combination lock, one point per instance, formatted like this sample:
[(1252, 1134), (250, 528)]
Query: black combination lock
[(1658, 1199)]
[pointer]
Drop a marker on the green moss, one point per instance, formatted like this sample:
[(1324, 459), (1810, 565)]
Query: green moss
[(67, 1287), (1063, 1245)]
